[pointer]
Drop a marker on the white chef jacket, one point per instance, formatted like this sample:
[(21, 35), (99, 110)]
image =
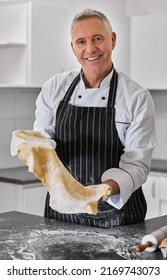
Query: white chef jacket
[(134, 118)]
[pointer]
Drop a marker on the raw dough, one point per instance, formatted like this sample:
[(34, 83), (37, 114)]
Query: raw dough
[(67, 195)]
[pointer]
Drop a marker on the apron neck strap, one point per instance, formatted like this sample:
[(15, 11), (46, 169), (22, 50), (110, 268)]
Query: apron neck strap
[(112, 90), (71, 88)]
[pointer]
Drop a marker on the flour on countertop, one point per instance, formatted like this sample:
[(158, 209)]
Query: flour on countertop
[(64, 244)]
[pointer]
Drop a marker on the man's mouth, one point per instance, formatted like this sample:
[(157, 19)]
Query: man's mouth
[(93, 58)]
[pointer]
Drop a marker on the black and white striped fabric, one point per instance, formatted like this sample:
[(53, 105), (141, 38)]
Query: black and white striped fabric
[(88, 144)]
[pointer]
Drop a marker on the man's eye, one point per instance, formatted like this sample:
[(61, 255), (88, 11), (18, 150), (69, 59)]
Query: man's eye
[(97, 38), (80, 42)]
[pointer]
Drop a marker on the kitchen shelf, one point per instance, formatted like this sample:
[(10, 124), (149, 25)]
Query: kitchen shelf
[(158, 165), (18, 86), (11, 44), (157, 91)]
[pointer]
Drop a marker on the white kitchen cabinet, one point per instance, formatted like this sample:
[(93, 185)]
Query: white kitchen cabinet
[(33, 39), (155, 190), (163, 195), (29, 198), (13, 42), (148, 51), (151, 192)]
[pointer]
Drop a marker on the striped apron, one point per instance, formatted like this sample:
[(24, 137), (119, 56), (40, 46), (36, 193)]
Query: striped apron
[(88, 144)]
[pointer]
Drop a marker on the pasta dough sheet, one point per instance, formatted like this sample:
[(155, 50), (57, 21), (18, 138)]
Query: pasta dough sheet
[(67, 195)]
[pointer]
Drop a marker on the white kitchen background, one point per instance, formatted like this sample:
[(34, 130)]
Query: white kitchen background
[(35, 44)]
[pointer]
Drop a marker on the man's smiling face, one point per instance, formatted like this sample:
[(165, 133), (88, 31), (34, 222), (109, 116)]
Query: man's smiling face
[(92, 44)]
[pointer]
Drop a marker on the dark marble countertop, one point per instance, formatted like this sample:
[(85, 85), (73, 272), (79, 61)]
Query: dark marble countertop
[(20, 175), (30, 237), (17, 175), (159, 165)]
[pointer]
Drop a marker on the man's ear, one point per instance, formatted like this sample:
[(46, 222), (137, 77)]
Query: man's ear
[(114, 39), (72, 47)]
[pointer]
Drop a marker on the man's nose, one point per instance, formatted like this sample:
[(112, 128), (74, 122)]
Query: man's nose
[(90, 46)]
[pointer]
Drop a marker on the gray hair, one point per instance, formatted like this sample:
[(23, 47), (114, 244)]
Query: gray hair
[(90, 13)]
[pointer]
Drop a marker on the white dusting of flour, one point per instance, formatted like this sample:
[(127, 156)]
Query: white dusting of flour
[(66, 244)]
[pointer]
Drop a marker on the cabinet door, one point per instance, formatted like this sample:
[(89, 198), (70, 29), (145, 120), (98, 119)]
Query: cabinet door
[(24, 198), (13, 42), (163, 195), (151, 192), (10, 197), (148, 51), (34, 43), (34, 199)]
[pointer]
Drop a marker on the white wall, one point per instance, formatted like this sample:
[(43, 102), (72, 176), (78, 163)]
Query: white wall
[(17, 107), (145, 7), (112, 7), (115, 11)]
